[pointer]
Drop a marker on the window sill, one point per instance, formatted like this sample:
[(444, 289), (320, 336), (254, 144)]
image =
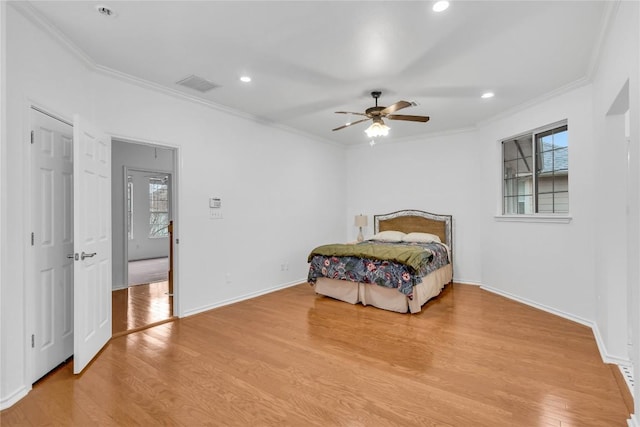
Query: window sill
[(554, 219)]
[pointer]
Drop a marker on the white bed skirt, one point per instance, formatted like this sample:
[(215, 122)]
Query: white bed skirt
[(386, 298)]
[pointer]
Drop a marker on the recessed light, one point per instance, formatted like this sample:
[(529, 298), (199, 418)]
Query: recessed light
[(245, 79), (487, 95), (440, 6), (105, 11)]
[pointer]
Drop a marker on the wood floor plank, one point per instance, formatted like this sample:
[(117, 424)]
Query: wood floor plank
[(297, 359), (139, 306)]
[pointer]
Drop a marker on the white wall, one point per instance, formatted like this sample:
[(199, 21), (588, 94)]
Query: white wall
[(546, 263), (3, 180), (271, 182), (618, 289), (62, 88), (437, 174), (133, 156)]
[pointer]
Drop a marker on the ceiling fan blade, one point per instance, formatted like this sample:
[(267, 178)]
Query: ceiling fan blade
[(350, 112), (395, 107), (351, 124), (422, 119)]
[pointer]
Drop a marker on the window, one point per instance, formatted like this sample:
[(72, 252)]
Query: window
[(130, 206), (158, 207), (536, 172)]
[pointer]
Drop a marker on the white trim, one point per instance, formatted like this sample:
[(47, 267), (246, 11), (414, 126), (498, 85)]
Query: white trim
[(583, 81), (608, 18), (466, 282), (32, 14), (554, 219), (243, 297), (542, 307), (146, 84), (29, 12), (604, 355), (14, 397), (602, 348)]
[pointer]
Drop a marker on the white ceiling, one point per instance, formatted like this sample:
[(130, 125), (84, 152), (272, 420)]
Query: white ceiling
[(309, 59)]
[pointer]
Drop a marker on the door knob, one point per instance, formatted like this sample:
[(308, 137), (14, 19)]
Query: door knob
[(84, 255)]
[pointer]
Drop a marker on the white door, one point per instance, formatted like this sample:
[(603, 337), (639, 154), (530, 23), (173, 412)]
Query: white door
[(52, 239), (92, 237)]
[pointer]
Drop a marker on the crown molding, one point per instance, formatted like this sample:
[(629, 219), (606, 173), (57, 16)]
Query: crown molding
[(583, 81), (35, 17), (608, 19)]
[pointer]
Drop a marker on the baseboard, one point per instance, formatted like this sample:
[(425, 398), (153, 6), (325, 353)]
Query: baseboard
[(242, 297), (466, 282), (542, 307), (14, 398), (606, 357), (602, 349)]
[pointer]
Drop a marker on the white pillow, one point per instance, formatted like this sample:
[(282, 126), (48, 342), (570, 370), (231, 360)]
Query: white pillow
[(421, 238), (388, 236)]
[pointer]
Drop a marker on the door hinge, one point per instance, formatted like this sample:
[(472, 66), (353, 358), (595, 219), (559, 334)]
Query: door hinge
[(33, 341), (32, 137), (33, 237)]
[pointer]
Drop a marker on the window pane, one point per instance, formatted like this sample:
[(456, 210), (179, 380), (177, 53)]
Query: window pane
[(561, 202), (561, 159), (522, 205), (518, 176), (554, 138), (552, 171), (510, 169), (158, 207), (545, 203), (158, 226)]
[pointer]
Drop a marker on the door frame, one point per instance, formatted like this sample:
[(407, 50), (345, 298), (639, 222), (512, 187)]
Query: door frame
[(29, 265), (126, 170), (175, 211)]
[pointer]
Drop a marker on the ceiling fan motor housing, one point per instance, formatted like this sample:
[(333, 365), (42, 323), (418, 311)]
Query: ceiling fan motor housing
[(374, 111)]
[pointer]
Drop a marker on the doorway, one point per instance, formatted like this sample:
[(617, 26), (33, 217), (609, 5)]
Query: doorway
[(143, 210)]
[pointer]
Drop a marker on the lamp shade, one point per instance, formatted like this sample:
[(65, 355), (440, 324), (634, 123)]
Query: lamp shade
[(377, 128), (361, 221)]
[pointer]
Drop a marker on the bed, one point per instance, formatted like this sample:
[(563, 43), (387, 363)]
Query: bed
[(340, 281)]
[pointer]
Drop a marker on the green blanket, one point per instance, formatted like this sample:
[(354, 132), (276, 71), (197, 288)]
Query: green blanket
[(409, 255)]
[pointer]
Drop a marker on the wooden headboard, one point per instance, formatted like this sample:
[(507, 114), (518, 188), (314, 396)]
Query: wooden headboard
[(409, 221)]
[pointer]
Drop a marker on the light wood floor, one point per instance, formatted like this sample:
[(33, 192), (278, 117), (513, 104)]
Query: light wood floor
[(138, 306), (470, 358)]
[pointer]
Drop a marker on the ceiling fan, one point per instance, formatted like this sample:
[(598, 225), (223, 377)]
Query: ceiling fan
[(378, 128)]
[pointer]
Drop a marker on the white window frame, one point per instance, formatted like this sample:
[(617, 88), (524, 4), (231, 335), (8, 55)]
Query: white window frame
[(562, 218)]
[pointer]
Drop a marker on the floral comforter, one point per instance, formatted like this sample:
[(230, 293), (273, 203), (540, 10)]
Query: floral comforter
[(381, 272)]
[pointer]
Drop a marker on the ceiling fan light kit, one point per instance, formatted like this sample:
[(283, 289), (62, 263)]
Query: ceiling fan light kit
[(377, 128), (377, 113)]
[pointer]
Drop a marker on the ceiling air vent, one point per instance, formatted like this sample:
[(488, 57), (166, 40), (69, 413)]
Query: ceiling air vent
[(197, 83)]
